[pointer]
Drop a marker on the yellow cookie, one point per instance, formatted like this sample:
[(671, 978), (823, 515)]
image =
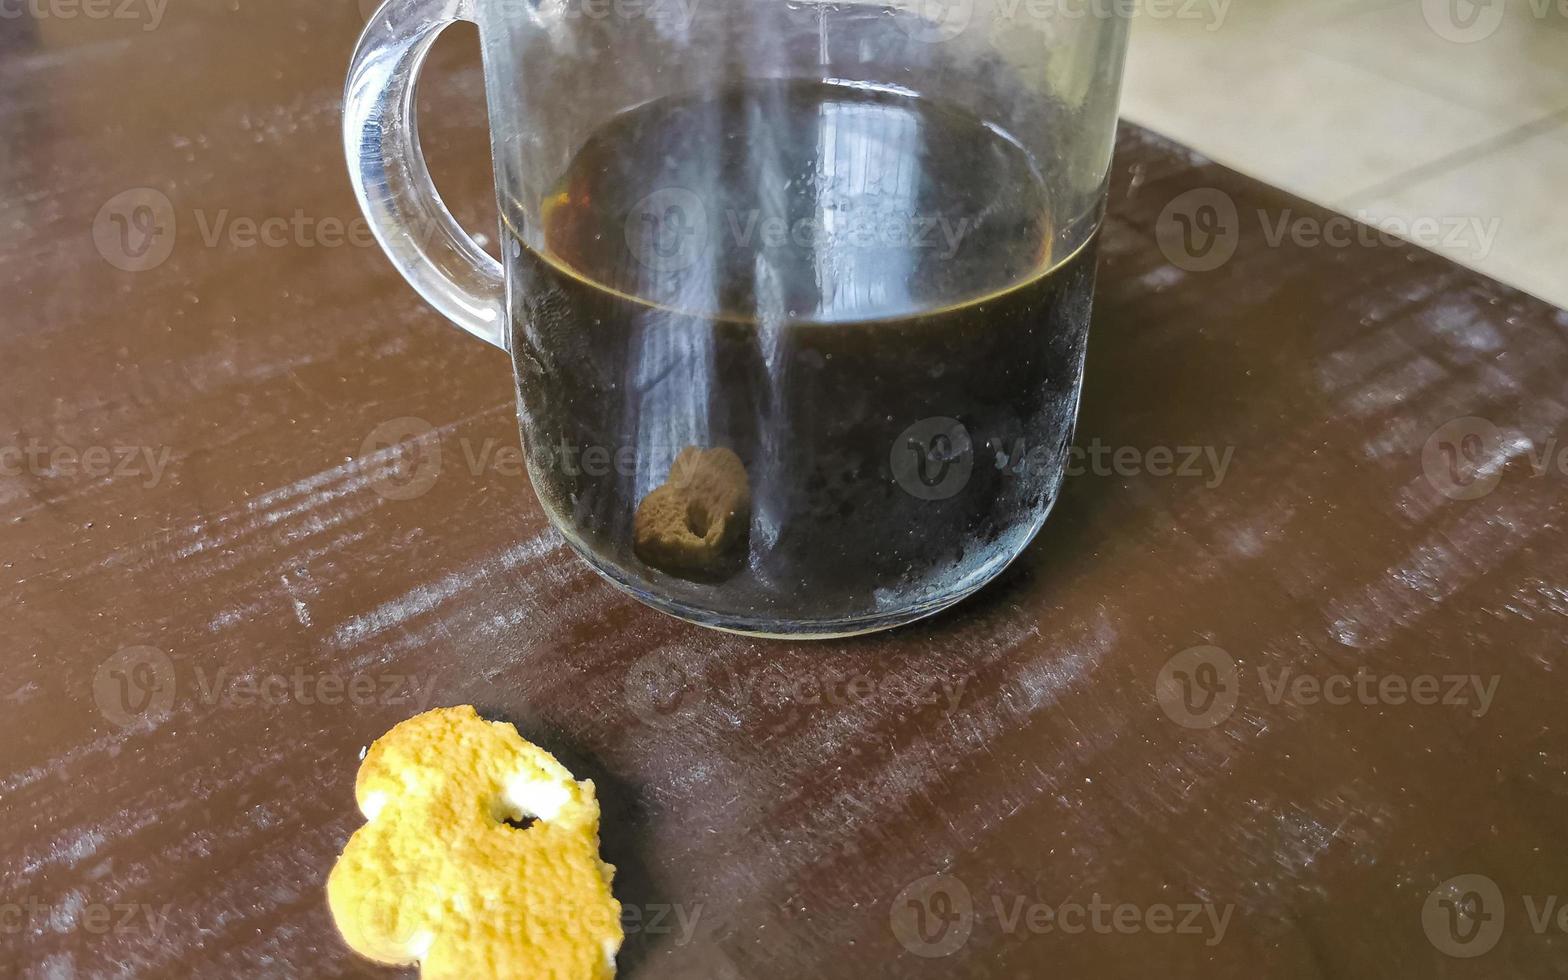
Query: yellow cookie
[(479, 857)]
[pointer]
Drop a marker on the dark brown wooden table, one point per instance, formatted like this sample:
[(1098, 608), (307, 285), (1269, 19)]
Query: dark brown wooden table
[(221, 578)]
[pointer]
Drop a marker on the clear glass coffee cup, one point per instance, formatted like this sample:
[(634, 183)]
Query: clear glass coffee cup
[(797, 294)]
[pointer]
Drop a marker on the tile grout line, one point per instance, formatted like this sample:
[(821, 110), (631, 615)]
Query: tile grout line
[(1458, 158), (1379, 68)]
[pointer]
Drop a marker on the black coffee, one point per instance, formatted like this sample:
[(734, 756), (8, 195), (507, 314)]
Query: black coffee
[(852, 290)]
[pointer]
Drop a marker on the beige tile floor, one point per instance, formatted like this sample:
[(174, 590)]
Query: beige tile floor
[(1447, 112)]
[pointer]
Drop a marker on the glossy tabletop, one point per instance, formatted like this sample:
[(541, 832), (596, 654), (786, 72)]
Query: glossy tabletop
[(1279, 690)]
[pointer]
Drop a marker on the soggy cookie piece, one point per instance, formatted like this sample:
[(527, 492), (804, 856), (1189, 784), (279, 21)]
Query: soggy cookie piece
[(479, 857), (694, 523)]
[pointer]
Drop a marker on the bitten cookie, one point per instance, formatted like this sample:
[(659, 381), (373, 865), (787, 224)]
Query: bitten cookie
[(694, 523), (479, 857)]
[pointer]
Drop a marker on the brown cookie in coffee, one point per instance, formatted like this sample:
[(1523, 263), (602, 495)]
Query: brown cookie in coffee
[(693, 524)]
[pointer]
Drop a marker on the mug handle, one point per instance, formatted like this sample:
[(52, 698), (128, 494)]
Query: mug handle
[(392, 181)]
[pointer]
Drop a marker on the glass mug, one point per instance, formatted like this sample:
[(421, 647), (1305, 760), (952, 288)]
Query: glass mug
[(797, 293)]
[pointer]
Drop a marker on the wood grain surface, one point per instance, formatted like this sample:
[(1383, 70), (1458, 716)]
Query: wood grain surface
[(258, 504)]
